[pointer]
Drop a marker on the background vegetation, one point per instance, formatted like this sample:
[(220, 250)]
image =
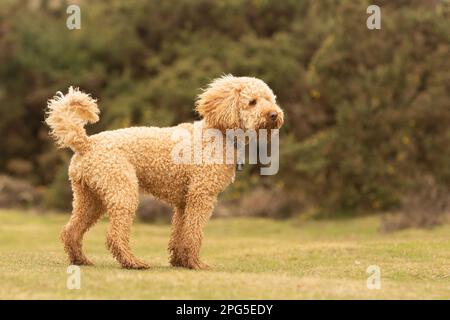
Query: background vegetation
[(367, 111)]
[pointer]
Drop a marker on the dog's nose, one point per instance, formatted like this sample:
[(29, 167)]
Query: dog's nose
[(273, 116)]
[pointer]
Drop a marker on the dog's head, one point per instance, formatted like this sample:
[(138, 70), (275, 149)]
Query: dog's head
[(239, 102)]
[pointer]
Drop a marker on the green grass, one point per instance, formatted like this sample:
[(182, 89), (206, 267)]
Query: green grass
[(250, 258)]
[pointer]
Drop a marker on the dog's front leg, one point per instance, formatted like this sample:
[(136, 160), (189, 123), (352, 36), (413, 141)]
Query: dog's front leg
[(199, 206), (176, 237)]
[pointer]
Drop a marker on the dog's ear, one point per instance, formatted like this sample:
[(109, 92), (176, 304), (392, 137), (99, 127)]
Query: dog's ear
[(219, 103)]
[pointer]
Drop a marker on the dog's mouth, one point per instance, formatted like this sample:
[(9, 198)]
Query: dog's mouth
[(268, 125)]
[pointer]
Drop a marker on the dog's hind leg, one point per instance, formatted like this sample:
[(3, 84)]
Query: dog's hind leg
[(118, 237), (121, 199), (87, 209)]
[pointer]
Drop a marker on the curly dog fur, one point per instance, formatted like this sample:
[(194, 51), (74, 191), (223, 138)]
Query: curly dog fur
[(108, 169)]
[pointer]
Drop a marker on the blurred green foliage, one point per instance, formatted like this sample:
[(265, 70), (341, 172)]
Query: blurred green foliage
[(367, 111)]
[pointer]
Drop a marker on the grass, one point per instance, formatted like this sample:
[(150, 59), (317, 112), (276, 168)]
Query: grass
[(250, 259)]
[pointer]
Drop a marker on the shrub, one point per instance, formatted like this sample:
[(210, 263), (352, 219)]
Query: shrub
[(18, 193)]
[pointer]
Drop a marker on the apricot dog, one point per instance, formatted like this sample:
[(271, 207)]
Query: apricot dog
[(109, 169)]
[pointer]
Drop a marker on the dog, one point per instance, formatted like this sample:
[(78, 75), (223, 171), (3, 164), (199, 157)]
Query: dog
[(108, 169)]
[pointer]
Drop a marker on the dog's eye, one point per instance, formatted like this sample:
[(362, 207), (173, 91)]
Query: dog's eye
[(252, 102)]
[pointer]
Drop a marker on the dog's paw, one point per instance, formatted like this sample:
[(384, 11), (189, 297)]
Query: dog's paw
[(196, 265), (82, 262), (137, 265), (188, 263), (203, 266), (176, 261)]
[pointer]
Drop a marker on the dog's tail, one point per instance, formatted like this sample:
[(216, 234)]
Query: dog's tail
[(67, 115)]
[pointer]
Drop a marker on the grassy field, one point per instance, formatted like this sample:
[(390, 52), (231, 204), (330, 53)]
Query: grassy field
[(249, 259)]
